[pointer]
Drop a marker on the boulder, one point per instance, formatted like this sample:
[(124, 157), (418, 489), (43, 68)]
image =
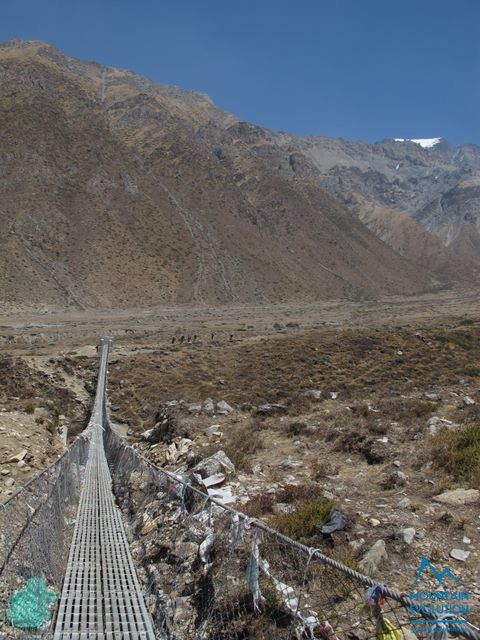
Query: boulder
[(314, 394), (18, 456), (208, 406), (216, 464), (459, 554), (435, 423), (223, 408), (268, 409), (458, 497), (194, 408), (373, 559), (407, 535)]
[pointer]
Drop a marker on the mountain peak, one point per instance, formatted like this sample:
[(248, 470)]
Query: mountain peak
[(426, 143)]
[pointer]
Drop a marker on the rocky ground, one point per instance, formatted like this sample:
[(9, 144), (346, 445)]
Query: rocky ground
[(39, 411), (375, 411), (384, 423)]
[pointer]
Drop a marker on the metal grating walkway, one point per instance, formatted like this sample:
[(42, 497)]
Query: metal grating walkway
[(101, 595)]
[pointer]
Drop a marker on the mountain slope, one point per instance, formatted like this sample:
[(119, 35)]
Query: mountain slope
[(115, 191), (435, 185)]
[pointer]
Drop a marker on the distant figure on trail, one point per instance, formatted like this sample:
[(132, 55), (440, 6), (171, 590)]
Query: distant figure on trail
[(189, 339), (231, 337), (195, 338), (212, 337), (182, 339), (173, 340)]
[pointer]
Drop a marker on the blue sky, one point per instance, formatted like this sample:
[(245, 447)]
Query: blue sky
[(360, 69)]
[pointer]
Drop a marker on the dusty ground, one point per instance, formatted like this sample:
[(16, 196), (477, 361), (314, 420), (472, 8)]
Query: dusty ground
[(383, 372)]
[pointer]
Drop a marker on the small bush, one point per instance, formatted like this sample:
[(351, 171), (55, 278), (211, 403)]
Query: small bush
[(259, 505), (29, 408), (473, 372), (39, 420), (51, 427), (303, 521), (296, 428), (243, 443), (458, 453), (323, 468), (422, 408), (459, 340)]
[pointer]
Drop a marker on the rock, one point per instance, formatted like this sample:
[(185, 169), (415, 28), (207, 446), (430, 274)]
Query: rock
[(468, 401), (283, 507), (289, 463), (314, 394), (458, 496), (459, 554), (212, 481), (21, 463), (164, 429), (9, 482), (19, 456), (404, 503), (466, 540), (334, 395), (374, 522), (433, 397), (194, 408), (246, 406), (213, 430), (208, 406), (397, 479), (357, 544), (407, 535), (375, 451), (435, 423), (271, 409), (5, 472), (148, 525), (214, 465), (372, 560), (223, 408), (146, 435)]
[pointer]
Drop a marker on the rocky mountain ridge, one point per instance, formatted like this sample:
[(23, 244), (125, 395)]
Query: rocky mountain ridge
[(117, 191)]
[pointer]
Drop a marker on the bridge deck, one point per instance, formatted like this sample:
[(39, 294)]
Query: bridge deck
[(101, 595)]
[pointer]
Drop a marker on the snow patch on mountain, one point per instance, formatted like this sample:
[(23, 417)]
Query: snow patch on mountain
[(426, 143)]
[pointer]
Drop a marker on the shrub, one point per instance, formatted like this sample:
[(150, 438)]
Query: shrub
[(302, 522), (296, 428), (459, 340), (458, 452), (29, 408), (243, 443), (51, 427)]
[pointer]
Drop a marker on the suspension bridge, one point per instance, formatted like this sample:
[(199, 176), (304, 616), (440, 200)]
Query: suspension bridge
[(207, 571)]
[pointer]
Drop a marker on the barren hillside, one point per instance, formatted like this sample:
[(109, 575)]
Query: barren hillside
[(117, 192)]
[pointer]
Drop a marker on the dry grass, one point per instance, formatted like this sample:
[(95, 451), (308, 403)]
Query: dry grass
[(301, 523), (277, 369), (458, 453)]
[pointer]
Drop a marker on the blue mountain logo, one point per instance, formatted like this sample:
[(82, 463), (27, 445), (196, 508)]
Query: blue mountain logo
[(440, 575)]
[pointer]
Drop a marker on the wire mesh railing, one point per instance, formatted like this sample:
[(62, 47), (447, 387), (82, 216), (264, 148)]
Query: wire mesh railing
[(211, 572), (36, 524)]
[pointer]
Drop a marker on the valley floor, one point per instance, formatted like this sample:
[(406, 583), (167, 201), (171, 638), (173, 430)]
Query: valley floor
[(374, 406)]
